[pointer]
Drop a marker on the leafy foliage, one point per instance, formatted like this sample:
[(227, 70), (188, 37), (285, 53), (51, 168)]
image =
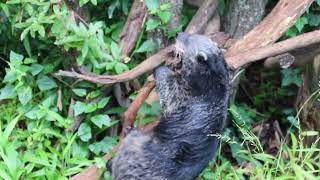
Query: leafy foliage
[(53, 127)]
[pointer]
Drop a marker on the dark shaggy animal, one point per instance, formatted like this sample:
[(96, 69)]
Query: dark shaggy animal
[(194, 98)]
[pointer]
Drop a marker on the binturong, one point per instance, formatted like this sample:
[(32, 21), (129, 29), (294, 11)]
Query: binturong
[(194, 99)]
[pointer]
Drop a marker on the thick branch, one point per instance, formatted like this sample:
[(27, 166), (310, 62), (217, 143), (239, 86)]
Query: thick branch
[(300, 41), (302, 57), (132, 28), (202, 17), (271, 28)]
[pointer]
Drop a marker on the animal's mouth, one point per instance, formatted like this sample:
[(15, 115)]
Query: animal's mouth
[(176, 63)]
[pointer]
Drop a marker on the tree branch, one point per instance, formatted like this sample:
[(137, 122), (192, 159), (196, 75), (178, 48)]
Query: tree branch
[(132, 28), (202, 17), (249, 56)]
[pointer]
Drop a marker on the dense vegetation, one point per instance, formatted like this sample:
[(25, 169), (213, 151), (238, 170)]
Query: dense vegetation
[(39, 111)]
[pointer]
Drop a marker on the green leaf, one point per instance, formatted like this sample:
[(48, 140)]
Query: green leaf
[(46, 83), (35, 69), (7, 92), (120, 67), (24, 94), (80, 92), (82, 2), (152, 24), (32, 114), (100, 120), (103, 102), (152, 4), (293, 121), (293, 31), (10, 77), (94, 2), (26, 45), (79, 108), (165, 6), (115, 50), (112, 7), (84, 132), (5, 9), (29, 61), (85, 49), (147, 46), (14, 57), (164, 16), (313, 19), (301, 22), (291, 76)]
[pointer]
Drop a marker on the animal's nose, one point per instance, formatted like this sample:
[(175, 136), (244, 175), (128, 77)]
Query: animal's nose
[(182, 37)]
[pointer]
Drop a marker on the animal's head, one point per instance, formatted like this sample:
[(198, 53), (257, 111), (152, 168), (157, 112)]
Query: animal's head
[(202, 61)]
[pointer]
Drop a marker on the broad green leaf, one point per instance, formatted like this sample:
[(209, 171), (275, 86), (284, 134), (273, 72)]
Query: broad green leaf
[(120, 67), (100, 120), (24, 94), (164, 16), (16, 58), (29, 61), (152, 24), (147, 46), (32, 114), (7, 92), (165, 6), (35, 69), (103, 102), (291, 76), (84, 132), (115, 50), (94, 2), (80, 92), (152, 4), (301, 22), (107, 143), (293, 31), (46, 83), (79, 108), (24, 33), (10, 77), (5, 9)]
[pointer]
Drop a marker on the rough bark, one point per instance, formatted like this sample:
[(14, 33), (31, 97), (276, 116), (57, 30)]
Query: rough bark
[(308, 99), (297, 42), (239, 18), (282, 17), (132, 28), (202, 17), (302, 57)]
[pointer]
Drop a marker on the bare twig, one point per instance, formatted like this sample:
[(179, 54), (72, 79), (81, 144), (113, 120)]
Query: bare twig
[(147, 65), (132, 110)]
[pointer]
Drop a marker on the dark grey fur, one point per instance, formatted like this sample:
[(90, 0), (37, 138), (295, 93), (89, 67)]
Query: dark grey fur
[(194, 99)]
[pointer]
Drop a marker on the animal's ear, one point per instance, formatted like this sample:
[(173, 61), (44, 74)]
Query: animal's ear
[(201, 57)]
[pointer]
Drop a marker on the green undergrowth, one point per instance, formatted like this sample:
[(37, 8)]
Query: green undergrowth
[(39, 136)]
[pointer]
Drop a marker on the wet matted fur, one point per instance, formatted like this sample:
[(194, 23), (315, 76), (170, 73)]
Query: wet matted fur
[(194, 100)]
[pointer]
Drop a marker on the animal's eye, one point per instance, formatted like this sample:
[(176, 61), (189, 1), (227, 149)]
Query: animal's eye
[(201, 57)]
